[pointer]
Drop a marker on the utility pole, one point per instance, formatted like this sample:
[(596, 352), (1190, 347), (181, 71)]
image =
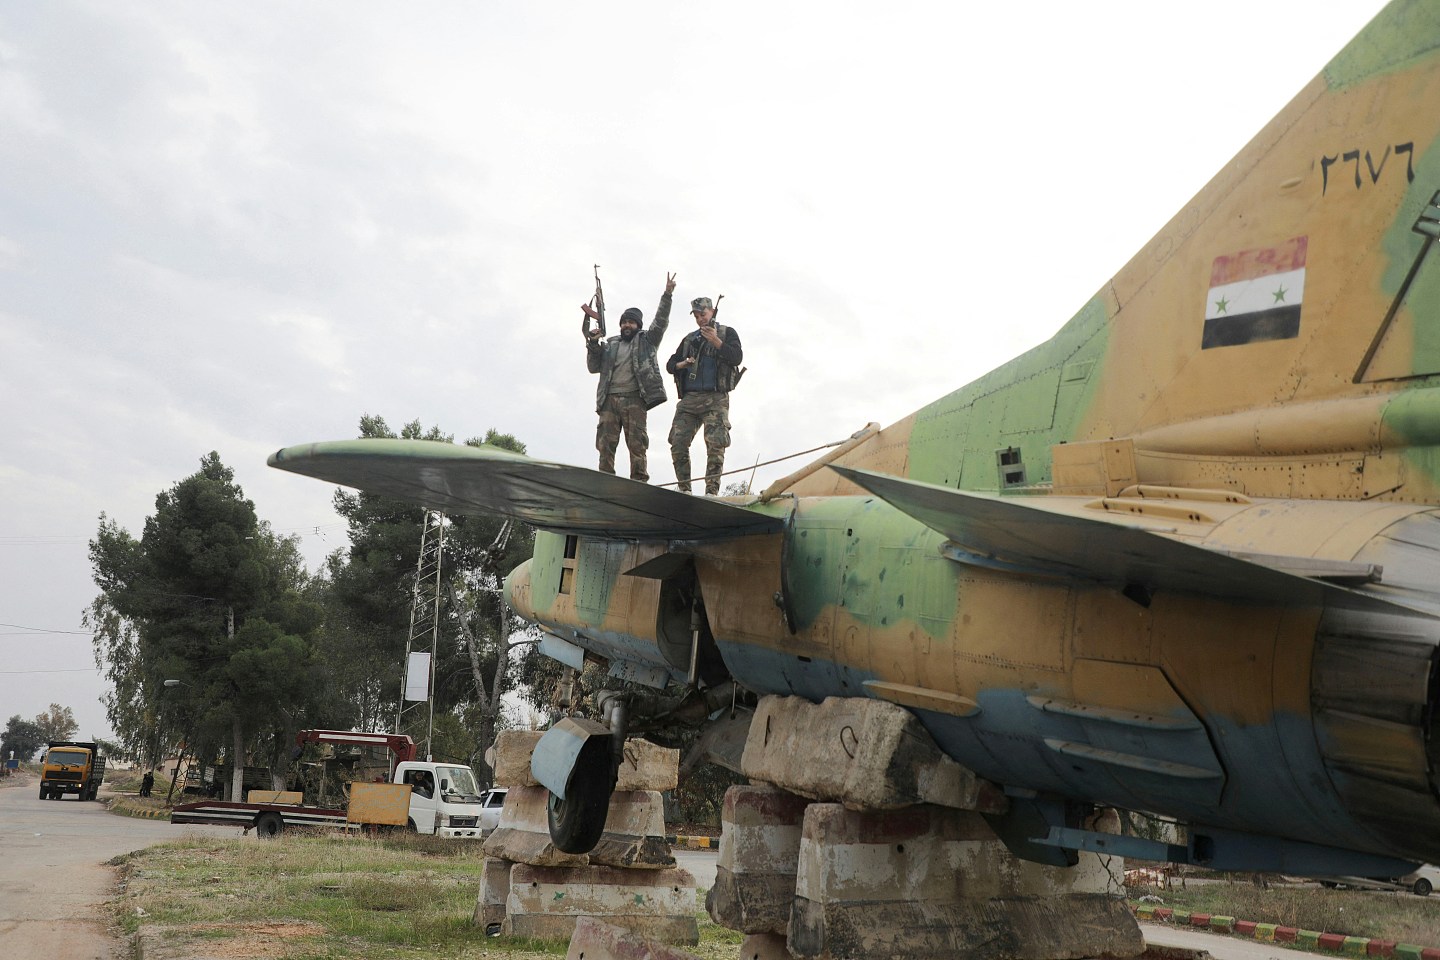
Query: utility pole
[(418, 683)]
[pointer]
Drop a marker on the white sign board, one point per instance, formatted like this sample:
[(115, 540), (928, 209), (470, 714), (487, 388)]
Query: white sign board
[(417, 678)]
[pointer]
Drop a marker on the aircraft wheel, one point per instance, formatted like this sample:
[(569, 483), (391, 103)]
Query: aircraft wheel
[(577, 822), (269, 825), (1422, 887)]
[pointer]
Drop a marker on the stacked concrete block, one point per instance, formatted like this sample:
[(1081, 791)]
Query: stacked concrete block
[(494, 890), (646, 766), (546, 902), (866, 754), (759, 852), (928, 881), (533, 889), (634, 832), (897, 860), (595, 940)]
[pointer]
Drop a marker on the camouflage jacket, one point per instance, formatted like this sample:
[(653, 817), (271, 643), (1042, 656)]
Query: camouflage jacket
[(600, 358)]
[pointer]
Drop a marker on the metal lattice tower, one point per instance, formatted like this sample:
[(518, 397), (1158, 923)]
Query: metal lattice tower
[(424, 630)]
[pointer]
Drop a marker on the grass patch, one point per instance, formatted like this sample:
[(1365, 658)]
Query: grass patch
[(1391, 916), (327, 897)]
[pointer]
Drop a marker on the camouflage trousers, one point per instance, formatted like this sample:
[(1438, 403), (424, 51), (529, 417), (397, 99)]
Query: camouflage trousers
[(625, 413), (712, 411)]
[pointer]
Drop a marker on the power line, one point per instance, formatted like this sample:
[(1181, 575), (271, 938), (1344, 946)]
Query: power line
[(29, 630), (64, 670)]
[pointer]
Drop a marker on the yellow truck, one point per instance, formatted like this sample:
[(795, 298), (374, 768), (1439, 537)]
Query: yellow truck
[(72, 766)]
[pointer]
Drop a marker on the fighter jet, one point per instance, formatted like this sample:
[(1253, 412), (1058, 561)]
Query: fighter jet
[(1183, 558)]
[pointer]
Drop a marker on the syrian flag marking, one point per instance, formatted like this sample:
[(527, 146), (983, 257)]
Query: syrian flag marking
[(1255, 295)]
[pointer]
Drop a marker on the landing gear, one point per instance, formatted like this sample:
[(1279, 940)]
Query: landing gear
[(577, 821), (578, 761)]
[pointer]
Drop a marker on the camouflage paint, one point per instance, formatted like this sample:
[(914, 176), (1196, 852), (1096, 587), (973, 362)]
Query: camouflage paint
[(1248, 715)]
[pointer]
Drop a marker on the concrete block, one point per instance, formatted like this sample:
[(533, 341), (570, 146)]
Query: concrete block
[(866, 754), (634, 832), (759, 850), (646, 765), (512, 757), (494, 889), (764, 946), (545, 902), (523, 833), (596, 940), (929, 882)]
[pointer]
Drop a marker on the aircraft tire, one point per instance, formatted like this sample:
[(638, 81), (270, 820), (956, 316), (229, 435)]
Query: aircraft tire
[(269, 825), (577, 821), (1422, 887)]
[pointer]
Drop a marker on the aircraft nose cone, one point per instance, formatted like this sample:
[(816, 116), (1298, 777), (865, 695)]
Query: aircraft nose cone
[(517, 591)]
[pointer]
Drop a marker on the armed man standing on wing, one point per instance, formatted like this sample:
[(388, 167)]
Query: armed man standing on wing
[(630, 382), (705, 368)]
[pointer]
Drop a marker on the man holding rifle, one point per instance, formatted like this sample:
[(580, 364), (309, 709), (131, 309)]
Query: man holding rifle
[(706, 365), (630, 381)]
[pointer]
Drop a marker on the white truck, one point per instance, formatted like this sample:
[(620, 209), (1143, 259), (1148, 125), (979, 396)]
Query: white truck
[(443, 797)]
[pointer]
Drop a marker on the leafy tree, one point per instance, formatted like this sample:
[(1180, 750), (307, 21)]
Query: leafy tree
[(373, 588), (57, 723), (210, 599), (22, 737)]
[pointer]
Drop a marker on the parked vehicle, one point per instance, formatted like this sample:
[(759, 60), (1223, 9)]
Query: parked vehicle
[(443, 797), (71, 766), (493, 802), (1421, 881)]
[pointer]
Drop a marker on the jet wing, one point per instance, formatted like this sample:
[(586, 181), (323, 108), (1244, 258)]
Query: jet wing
[(487, 481), (1025, 535)]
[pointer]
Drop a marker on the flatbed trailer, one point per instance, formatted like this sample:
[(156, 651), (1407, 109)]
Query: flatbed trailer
[(434, 797), (267, 819)]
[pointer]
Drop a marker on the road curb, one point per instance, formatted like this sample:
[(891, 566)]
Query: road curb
[(125, 809), (1313, 940), (694, 842)]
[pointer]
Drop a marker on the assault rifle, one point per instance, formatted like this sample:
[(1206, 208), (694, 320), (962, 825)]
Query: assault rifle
[(735, 375), (597, 309)]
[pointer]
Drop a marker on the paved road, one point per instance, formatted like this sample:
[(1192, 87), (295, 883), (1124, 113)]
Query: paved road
[(700, 863), (53, 877), (1223, 947)]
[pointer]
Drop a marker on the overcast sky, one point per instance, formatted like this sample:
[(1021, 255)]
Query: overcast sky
[(236, 227)]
